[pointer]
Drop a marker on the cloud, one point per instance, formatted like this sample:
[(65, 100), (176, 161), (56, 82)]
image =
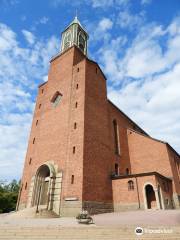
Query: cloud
[(101, 31), (105, 24), (29, 36), (21, 70), (8, 3), (43, 20), (128, 20), (108, 3), (144, 2), (93, 3), (144, 79)]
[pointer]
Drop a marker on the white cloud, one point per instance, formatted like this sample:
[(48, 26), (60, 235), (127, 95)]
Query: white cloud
[(44, 20), (21, 70), (128, 20), (108, 3), (144, 81), (144, 2), (29, 36), (101, 31), (105, 24), (93, 3)]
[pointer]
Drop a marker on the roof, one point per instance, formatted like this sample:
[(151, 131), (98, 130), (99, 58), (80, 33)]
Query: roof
[(127, 117), (76, 21), (141, 175), (40, 85), (155, 139)]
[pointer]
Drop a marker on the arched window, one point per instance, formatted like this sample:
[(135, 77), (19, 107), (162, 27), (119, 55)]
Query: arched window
[(56, 99), (67, 40), (116, 169), (130, 185), (82, 41), (116, 137)]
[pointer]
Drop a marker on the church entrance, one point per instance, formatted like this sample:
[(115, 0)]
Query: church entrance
[(42, 186), (150, 197)]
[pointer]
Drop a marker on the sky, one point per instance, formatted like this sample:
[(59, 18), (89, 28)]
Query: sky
[(135, 42)]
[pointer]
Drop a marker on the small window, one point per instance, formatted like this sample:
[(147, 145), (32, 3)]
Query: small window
[(56, 99), (42, 91), (75, 125), (37, 122), (127, 171), (77, 69), (74, 150), (72, 179), (39, 105), (77, 86), (33, 140), (30, 160), (130, 185), (116, 169), (25, 187), (116, 137), (76, 104)]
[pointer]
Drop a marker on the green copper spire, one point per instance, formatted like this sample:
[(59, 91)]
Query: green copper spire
[(74, 34)]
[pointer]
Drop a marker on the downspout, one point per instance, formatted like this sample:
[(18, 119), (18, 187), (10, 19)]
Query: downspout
[(137, 188)]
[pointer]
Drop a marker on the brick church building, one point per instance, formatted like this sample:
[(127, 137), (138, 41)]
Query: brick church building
[(84, 152)]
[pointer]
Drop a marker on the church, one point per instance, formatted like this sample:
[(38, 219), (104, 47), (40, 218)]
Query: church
[(84, 152)]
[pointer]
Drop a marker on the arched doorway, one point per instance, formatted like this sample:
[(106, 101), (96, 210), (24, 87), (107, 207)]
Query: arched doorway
[(41, 192), (150, 197)]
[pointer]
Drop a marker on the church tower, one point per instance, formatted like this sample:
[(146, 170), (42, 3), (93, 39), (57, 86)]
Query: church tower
[(74, 34), (71, 111)]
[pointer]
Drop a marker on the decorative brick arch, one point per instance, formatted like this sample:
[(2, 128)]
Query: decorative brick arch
[(154, 196), (43, 185)]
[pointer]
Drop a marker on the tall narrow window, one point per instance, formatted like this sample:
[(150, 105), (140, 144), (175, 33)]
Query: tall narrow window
[(76, 104), (116, 137), (25, 187), (33, 140), (116, 169), (130, 185), (72, 179), (75, 125), (74, 150), (127, 171), (77, 86), (36, 122), (39, 105), (30, 160)]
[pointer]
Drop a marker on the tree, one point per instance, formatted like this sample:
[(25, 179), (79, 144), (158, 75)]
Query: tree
[(8, 196)]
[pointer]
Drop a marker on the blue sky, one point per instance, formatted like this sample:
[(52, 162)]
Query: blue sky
[(136, 43)]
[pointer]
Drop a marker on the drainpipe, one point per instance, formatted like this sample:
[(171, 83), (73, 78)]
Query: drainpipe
[(139, 205)]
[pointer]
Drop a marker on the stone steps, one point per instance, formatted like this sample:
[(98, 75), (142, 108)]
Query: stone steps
[(81, 233)]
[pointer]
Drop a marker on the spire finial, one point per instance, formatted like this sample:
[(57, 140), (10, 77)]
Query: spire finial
[(76, 16)]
